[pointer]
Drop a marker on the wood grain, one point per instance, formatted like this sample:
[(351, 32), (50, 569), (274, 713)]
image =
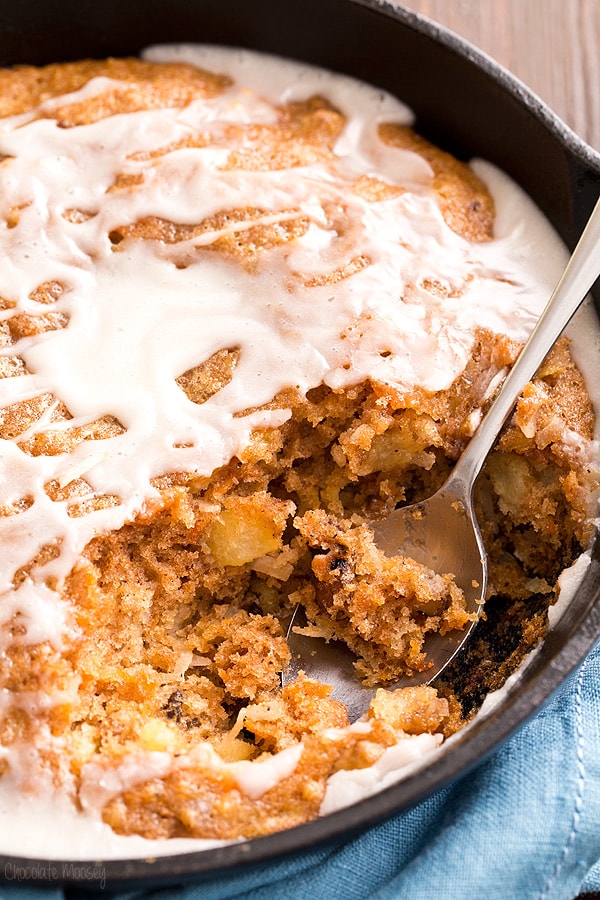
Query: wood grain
[(553, 46)]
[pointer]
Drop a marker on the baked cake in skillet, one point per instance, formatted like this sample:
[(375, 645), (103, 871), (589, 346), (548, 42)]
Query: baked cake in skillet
[(245, 311)]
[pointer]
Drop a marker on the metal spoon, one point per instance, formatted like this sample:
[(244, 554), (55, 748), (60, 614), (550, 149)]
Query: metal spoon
[(442, 532)]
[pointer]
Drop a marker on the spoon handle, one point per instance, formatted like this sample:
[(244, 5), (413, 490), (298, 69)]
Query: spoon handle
[(578, 277)]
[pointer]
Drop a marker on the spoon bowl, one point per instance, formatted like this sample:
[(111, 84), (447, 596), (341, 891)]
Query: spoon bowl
[(442, 532)]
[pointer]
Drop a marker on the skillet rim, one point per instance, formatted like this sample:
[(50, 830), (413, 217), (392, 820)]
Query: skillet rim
[(480, 740)]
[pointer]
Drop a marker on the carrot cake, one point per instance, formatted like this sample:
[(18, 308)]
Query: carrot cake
[(245, 311)]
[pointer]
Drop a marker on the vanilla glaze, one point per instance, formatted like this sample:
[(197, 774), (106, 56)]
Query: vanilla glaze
[(136, 321)]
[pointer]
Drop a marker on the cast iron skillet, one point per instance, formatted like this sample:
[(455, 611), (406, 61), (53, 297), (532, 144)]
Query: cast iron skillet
[(469, 105)]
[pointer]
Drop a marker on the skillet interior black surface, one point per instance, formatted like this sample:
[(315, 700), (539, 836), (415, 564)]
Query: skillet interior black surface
[(465, 102)]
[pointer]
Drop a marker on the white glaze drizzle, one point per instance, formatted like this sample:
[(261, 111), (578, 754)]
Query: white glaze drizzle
[(136, 322), (348, 786)]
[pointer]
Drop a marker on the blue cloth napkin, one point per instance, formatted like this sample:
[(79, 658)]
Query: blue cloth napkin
[(525, 824)]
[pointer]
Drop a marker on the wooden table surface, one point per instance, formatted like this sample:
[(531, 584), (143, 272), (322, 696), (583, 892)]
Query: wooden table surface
[(553, 46)]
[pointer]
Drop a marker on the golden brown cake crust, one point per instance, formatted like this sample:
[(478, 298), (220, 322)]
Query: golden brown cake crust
[(144, 86)]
